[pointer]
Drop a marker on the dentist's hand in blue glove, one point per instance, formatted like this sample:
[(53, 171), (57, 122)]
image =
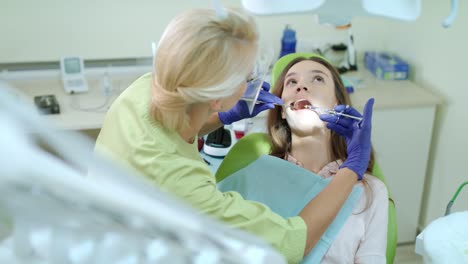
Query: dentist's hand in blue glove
[(241, 110), (357, 135)]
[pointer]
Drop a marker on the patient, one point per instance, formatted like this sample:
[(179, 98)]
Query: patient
[(301, 137)]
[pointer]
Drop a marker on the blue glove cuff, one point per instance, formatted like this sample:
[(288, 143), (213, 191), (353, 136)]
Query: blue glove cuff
[(224, 117)]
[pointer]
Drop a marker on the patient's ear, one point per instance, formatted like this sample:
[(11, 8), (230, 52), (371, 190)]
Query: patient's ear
[(283, 114)]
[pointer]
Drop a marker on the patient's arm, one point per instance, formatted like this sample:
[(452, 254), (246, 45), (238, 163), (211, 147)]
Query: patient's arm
[(373, 246), (319, 213)]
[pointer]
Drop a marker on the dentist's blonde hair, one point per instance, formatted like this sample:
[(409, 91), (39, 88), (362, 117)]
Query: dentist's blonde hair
[(200, 57)]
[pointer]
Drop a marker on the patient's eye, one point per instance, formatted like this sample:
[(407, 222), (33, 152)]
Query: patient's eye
[(318, 78), (291, 82)]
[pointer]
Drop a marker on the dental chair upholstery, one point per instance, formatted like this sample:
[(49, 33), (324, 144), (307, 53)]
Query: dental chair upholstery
[(254, 145)]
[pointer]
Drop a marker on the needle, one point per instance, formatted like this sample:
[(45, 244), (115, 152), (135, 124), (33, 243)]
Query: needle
[(305, 104), (333, 112)]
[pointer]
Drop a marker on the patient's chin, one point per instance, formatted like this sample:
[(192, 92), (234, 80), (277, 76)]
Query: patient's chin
[(304, 122), (307, 129)]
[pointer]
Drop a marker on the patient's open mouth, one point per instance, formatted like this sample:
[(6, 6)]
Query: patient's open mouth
[(301, 104)]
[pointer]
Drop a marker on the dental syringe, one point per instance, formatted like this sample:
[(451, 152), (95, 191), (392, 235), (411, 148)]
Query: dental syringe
[(304, 104)]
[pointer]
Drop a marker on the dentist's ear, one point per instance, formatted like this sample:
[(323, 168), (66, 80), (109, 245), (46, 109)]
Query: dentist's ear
[(216, 105)]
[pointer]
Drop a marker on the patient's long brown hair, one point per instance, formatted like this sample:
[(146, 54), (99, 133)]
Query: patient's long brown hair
[(280, 133), (278, 128)]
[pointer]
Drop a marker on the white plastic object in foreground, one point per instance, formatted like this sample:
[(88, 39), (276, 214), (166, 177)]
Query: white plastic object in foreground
[(54, 212), (445, 240)]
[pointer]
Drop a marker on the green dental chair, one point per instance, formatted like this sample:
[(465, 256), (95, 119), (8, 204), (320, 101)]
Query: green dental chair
[(254, 145)]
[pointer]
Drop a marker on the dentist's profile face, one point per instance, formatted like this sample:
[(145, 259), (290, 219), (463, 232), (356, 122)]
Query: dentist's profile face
[(311, 81), (230, 101)]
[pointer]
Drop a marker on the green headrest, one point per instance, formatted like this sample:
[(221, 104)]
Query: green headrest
[(286, 59)]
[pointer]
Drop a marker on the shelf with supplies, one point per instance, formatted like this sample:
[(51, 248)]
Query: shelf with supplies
[(387, 93), (78, 111)]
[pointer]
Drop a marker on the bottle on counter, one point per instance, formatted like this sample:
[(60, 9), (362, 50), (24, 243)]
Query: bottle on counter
[(288, 42)]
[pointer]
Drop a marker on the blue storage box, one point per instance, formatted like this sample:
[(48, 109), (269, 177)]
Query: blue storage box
[(386, 66)]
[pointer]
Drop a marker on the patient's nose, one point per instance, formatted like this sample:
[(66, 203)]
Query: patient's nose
[(298, 89)]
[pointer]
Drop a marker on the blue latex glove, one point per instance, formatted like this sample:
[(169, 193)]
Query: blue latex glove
[(357, 135), (241, 110)]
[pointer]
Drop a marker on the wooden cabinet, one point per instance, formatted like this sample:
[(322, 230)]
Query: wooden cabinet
[(401, 139)]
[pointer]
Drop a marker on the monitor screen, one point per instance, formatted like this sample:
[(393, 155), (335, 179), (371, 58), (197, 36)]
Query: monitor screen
[(72, 65)]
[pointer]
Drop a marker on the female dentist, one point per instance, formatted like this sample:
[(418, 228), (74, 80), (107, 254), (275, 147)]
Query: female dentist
[(202, 67)]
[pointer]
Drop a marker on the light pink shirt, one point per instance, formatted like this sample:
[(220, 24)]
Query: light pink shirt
[(363, 237)]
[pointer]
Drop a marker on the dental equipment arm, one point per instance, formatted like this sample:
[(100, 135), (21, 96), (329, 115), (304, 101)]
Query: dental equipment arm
[(338, 12), (453, 14)]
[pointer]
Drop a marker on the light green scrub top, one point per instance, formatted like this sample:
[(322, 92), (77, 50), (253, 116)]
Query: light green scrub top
[(131, 137)]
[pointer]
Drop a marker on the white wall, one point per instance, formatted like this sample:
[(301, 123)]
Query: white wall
[(47, 29), (95, 29), (44, 30), (438, 59)]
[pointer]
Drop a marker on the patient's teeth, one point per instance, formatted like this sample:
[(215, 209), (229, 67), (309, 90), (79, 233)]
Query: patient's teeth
[(302, 104)]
